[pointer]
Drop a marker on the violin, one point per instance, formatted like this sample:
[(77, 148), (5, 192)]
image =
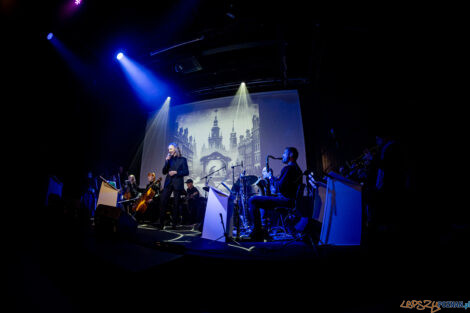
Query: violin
[(141, 204), (127, 194)]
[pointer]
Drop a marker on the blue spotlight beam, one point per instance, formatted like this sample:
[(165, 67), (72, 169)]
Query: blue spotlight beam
[(148, 88), (78, 67)]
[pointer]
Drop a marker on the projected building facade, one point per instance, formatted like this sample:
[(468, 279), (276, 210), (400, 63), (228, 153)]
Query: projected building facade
[(187, 145), (249, 148), (266, 116), (214, 155)]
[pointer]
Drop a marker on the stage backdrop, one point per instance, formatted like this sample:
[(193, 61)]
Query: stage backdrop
[(218, 133)]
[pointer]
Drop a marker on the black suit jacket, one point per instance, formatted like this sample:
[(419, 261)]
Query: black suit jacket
[(289, 180), (180, 165)]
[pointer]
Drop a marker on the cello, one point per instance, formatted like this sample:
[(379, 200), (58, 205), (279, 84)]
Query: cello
[(141, 204)]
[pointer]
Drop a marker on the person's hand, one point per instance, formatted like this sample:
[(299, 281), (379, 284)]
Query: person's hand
[(312, 181), (266, 174), (168, 157), (172, 173)]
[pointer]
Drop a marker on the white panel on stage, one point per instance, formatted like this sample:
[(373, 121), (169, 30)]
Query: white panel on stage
[(108, 195), (319, 202), (217, 204), (54, 188), (342, 213)]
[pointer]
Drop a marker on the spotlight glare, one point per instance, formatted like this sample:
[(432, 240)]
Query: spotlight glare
[(119, 56), (77, 2), (49, 36)]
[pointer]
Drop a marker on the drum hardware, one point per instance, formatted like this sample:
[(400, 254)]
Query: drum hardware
[(244, 190)]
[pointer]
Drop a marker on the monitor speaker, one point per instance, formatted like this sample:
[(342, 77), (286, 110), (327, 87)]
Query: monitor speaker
[(113, 220)]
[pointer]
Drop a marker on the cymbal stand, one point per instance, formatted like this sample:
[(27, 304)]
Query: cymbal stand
[(244, 201), (235, 205)]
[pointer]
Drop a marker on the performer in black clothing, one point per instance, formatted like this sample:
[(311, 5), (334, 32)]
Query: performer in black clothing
[(131, 191), (151, 180), (131, 187), (175, 168), (267, 184), (192, 197), (287, 185), (152, 204)]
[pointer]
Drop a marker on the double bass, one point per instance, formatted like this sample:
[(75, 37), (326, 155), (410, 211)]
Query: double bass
[(141, 204)]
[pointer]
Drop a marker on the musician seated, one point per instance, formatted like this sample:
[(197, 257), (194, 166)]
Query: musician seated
[(131, 191), (132, 188), (286, 186), (192, 197), (152, 204)]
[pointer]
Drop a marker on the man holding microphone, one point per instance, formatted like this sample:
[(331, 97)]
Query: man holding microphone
[(175, 168)]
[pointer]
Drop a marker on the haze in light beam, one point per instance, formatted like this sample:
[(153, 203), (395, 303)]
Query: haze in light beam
[(242, 101), (146, 85), (155, 136), (80, 69)]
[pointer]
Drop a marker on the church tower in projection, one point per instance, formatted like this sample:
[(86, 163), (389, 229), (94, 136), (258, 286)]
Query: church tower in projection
[(215, 137), (233, 139)]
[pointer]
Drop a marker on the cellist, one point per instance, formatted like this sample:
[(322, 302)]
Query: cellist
[(152, 204)]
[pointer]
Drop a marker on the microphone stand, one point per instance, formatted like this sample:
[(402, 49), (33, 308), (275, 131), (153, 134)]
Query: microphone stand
[(208, 175), (227, 237), (237, 209)]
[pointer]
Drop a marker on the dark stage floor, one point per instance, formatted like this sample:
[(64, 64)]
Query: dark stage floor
[(65, 267)]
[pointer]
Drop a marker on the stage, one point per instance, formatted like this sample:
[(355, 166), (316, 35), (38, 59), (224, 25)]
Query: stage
[(187, 241), (262, 109), (60, 265)]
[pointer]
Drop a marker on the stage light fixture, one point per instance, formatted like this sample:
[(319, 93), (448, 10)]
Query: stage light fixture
[(120, 55), (77, 2), (49, 36)]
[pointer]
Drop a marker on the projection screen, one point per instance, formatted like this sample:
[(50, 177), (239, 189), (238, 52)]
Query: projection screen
[(216, 134)]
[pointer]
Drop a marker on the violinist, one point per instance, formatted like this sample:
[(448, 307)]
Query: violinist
[(131, 191)]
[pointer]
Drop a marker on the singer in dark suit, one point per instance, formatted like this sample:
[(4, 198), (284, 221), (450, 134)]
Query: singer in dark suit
[(175, 168), (286, 184)]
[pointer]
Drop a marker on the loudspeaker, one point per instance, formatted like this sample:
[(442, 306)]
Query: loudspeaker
[(113, 220)]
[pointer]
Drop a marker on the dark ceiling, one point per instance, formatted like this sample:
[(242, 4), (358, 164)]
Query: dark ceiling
[(350, 64), (208, 47)]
